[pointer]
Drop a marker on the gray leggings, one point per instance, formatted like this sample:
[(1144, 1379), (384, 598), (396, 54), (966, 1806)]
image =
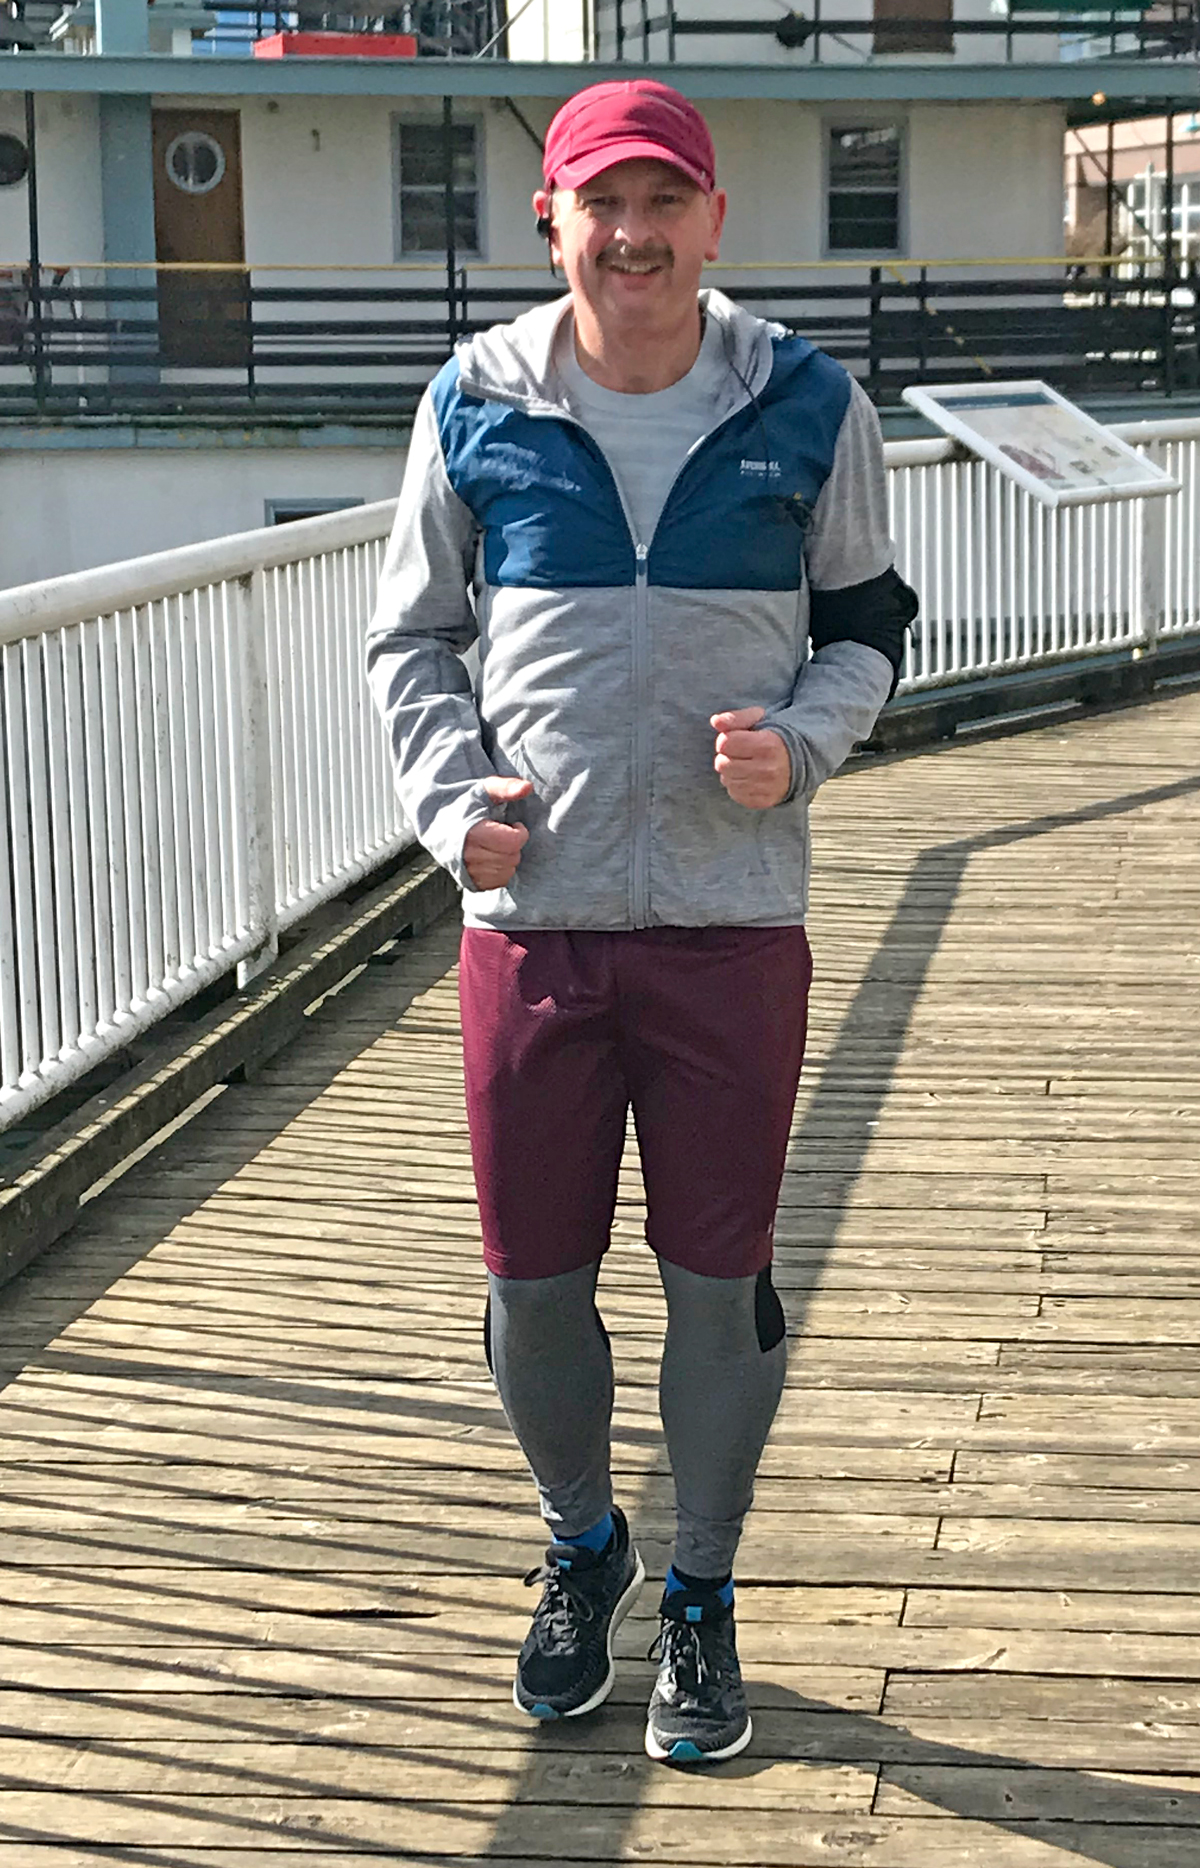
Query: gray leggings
[(722, 1373)]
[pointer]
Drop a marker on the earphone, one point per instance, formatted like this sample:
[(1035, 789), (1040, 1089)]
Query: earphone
[(545, 226)]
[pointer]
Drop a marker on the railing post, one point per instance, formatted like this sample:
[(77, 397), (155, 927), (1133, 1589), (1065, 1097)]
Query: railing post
[(1152, 574), (449, 213), (874, 306), (247, 310), (37, 332), (262, 912), (1169, 252), (923, 313)]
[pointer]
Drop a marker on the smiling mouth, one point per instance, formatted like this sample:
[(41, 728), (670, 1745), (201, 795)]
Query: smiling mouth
[(635, 267)]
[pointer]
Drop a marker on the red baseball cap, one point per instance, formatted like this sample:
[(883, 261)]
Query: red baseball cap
[(617, 122)]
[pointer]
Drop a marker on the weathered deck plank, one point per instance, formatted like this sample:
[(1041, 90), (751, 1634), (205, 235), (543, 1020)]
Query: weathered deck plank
[(264, 1524)]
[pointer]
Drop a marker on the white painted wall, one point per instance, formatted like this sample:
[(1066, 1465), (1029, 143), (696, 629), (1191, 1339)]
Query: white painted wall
[(68, 130), (68, 509), (982, 179), (319, 178), (985, 180)]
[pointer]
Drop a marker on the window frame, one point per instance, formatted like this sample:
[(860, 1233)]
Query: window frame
[(291, 508), (841, 120), (472, 120)]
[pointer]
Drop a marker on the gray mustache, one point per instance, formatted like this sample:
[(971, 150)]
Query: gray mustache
[(643, 256)]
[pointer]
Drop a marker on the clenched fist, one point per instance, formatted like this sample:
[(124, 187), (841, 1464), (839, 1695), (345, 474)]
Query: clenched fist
[(754, 767), (492, 852)]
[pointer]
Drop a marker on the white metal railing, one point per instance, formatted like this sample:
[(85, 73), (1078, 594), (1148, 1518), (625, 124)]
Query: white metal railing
[(1007, 583), (191, 761)]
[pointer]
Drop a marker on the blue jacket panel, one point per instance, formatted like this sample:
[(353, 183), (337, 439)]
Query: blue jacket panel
[(735, 520), (541, 490), (551, 515)]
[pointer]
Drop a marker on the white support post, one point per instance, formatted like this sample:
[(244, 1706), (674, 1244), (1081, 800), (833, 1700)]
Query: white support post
[(1152, 574), (259, 810)]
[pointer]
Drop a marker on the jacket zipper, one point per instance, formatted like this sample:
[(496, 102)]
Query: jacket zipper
[(640, 903), (639, 880)]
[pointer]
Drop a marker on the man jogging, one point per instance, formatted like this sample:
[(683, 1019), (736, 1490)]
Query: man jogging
[(664, 522)]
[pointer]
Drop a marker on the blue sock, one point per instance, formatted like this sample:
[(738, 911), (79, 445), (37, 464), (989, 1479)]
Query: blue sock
[(596, 1539), (721, 1587)]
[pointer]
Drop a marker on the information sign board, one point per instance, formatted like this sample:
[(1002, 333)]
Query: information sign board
[(1043, 442)]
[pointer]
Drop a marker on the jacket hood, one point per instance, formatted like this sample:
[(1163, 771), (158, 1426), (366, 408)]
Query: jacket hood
[(515, 362)]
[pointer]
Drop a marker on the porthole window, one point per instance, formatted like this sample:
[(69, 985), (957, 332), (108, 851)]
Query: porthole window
[(196, 162), (14, 161)]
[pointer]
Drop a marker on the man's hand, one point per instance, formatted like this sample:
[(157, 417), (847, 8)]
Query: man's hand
[(755, 768), (491, 852)]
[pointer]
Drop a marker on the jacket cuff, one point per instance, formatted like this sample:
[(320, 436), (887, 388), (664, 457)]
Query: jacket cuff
[(445, 835), (796, 759)]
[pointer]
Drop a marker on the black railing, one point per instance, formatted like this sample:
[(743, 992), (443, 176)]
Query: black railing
[(1165, 29), (639, 32), (220, 343), (441, 28)]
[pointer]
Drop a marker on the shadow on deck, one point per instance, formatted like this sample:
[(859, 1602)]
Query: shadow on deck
[(264, 1524)]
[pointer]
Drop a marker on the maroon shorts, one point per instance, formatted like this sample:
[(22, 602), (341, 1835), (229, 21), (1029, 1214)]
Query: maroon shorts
[(700, 1029)]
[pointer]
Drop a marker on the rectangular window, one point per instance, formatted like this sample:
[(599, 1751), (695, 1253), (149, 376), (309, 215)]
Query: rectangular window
[(421, 174), (864, 189)]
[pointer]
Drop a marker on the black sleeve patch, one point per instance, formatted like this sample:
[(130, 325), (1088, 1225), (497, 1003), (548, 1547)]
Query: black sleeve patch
[(877, 613)]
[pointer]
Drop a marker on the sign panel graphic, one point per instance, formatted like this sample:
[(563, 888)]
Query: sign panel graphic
[(1043, 442)]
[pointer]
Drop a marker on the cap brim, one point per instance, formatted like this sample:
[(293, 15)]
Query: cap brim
[(586, 168)]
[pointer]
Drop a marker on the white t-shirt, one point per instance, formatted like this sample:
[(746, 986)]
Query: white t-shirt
[(647, 438)]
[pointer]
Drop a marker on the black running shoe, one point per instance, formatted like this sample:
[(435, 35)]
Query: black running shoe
[(698, 1710), (566, 1666)]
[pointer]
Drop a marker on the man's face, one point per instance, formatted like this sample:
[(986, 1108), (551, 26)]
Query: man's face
[(633, 241)]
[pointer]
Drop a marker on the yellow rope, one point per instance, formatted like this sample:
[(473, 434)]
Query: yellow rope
[(475, 266)]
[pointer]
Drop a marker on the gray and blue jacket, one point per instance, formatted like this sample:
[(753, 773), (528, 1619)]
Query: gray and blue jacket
[(768, 582)]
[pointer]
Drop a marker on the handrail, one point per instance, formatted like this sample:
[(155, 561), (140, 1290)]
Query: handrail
[(28, 609), (193, 763), (1066, 260), (245, 343)]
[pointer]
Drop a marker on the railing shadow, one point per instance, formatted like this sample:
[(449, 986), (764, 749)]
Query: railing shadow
[(904, 955), (94, 1260), (908, 945)]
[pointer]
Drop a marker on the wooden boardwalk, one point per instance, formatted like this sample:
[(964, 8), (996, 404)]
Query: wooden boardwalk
[(264, 1528)]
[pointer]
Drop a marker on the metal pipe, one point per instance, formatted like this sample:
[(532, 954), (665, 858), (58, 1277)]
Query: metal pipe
[(35, 256), (1169, 256), (1169, 199), (448, 208)]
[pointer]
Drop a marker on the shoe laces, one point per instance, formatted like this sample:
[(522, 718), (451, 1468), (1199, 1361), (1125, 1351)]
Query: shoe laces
[(564, 1601), (678, 1645)]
